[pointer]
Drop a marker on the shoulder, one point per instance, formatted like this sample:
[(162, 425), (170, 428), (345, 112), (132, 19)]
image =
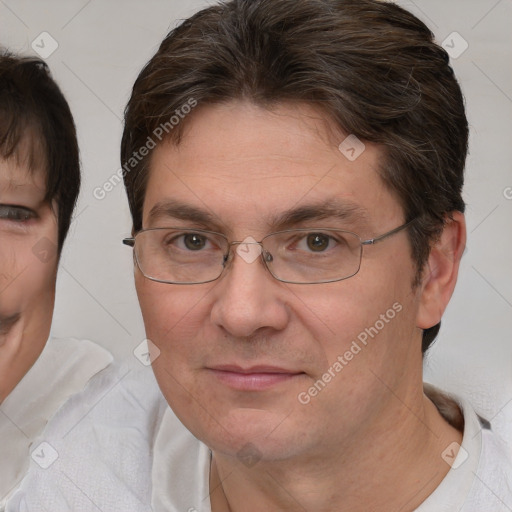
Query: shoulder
[(480, 475), (97, 450), (492, 487), (117, 392), (72, 362), (64, 368)]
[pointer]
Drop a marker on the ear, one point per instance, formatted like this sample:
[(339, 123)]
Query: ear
[(441, 270)]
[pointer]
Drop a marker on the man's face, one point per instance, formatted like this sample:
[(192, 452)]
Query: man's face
[(28, 268), (240, 356)]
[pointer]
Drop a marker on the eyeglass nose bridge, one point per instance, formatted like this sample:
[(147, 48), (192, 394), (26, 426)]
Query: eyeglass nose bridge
[(250, 249)]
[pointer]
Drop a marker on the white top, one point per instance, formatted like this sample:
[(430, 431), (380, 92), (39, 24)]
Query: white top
[(62, 369), (127, 449), (480, 478), (99, 448)]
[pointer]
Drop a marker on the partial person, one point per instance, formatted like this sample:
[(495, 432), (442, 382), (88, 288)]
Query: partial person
[(297, 236), (39, 186)]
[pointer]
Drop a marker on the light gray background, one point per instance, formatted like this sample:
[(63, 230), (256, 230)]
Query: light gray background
[(102, 47)]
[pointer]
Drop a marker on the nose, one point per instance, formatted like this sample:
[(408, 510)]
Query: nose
[(248, 299)]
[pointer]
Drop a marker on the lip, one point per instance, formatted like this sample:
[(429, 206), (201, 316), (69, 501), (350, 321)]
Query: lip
[(254, 378)]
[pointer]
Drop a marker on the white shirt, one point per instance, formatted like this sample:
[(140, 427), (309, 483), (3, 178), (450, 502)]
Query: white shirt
[(131, 451), (62, 369), (104, 440), (480, 478)]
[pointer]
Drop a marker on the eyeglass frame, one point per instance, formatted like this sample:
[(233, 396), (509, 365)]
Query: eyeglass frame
[(130, 241)]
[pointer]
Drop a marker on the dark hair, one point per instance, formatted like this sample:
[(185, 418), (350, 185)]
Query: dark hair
[(371, 66), (35, 119)]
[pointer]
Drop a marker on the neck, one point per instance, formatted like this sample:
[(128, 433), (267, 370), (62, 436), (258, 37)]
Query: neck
[(392, 465)]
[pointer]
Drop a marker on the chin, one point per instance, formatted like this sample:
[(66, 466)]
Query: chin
[(241, 431)]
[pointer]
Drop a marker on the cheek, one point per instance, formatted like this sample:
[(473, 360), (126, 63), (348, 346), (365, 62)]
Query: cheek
[(173, 315), (27, 278), (30, 293), (28, 271), (174, 320), (37, 288), (364, 320), (339, 313)]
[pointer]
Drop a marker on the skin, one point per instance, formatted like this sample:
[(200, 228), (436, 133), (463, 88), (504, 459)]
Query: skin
[(370, 440), (28, 270)]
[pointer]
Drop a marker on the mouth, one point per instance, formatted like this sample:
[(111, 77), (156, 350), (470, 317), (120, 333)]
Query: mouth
[(254, 378)]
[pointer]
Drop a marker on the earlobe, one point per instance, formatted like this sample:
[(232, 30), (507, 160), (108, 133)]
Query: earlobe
[(441, 270)]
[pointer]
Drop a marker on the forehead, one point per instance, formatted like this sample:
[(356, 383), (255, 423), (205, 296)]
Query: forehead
[(240, 161), (17, 177)]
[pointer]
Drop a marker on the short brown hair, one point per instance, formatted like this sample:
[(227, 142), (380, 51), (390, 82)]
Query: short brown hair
[(34, 116), (371, 66)]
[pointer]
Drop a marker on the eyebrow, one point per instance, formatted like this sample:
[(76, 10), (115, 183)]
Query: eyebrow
[(182, 211), (345, 211)]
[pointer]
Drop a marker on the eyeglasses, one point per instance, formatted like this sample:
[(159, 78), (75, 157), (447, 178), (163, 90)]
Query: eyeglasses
[(296, 256)]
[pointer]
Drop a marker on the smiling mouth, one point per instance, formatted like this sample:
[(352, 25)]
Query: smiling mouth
[(256, 378)]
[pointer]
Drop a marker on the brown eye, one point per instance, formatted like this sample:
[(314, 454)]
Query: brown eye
[(317, 242), (194, 242)]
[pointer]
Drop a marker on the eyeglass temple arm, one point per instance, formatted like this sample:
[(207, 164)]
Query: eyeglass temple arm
[(372, 241), (129, 241)]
